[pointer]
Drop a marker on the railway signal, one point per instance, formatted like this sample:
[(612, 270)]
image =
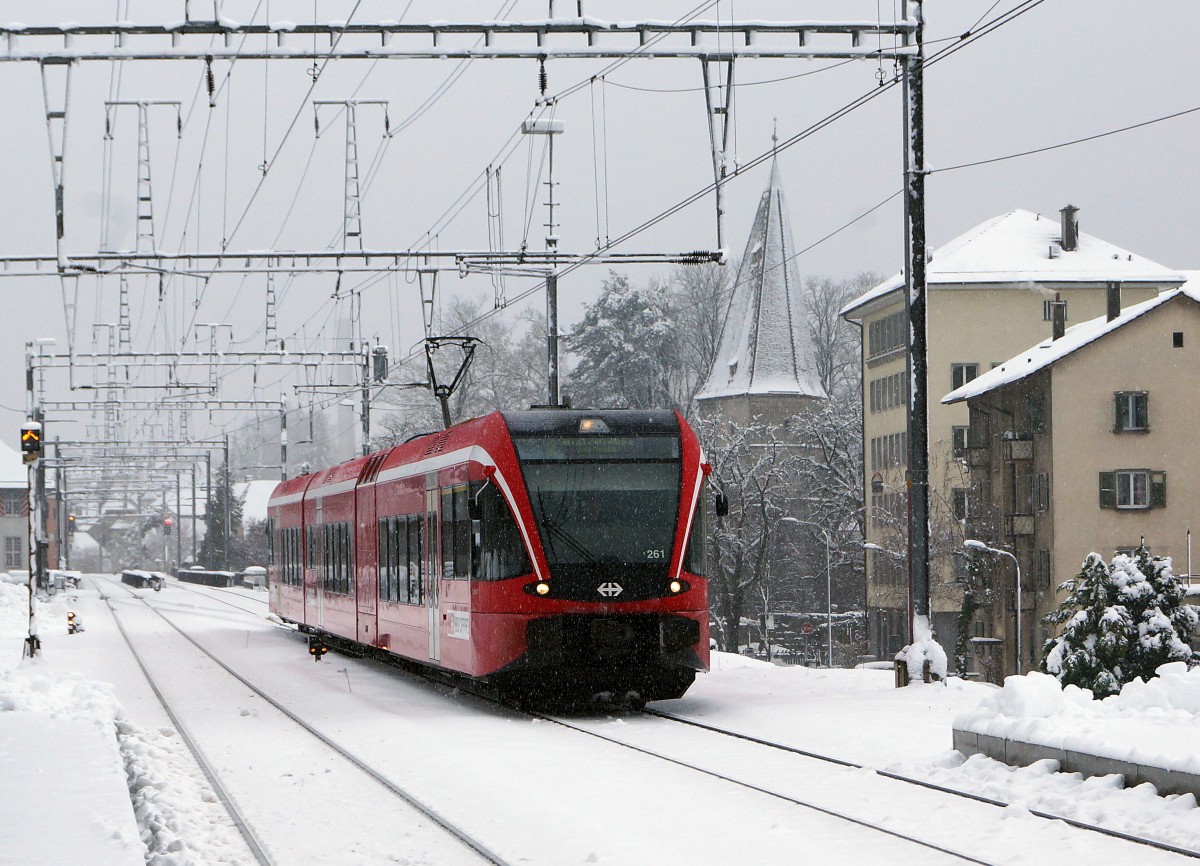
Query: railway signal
[(168, 523), (316, 649), (31, 440)]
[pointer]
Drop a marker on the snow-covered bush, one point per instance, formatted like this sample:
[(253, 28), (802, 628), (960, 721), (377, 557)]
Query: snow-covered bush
[(1121, 621)]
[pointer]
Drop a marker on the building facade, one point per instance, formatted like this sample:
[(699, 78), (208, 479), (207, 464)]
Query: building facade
[(989, 296), (1084, 443)]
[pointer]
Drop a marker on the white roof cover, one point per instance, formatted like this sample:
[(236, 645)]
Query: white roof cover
[(1015, 248), (1048, 351), (13, 472), (256, 493), (764, 346)]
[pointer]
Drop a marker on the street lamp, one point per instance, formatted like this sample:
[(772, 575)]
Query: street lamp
[(973, 544), (828, 580)]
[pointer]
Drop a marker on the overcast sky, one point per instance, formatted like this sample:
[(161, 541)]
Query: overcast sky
[(1063, 71)]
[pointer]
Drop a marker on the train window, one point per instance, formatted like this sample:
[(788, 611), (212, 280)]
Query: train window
[(400, 558), (502, 551), (384, 554), (347, 559), (462, 533), (448, 518), (695, 560), (271, 543), (312, 548), (415, 583)]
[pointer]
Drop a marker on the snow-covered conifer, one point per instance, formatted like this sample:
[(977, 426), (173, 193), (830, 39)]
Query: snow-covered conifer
[(1120, 622)]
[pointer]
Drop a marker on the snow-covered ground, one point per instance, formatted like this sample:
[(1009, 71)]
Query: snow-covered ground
[(81, 718)]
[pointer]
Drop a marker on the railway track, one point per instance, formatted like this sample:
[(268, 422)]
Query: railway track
[(259, 850), (922, 783)]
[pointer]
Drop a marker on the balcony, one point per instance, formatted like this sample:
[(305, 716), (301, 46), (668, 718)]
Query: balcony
[(1017, 450), (1019, 524), (977, 455)]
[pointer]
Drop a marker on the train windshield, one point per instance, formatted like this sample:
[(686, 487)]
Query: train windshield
[(603, 499)]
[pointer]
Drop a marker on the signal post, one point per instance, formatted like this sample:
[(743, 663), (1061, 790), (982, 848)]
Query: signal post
[(31, 451)]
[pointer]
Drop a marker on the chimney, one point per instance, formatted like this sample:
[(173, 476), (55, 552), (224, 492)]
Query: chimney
[(1114, 299), (1070, 228), (1058, 317)]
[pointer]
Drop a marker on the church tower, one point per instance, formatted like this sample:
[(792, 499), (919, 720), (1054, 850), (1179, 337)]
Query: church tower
[(763, 369)]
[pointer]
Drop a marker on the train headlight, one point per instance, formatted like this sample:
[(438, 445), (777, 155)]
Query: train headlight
[(542, 588), (676, 586), (593, 425)]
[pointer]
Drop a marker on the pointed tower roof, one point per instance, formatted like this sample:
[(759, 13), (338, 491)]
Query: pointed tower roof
[(765, 348)]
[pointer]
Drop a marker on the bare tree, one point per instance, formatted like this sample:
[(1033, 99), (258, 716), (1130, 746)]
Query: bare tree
[(835, 341), (756, 471), (701, 301)]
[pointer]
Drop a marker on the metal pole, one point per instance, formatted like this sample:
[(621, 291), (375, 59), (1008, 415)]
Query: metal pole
[(828, 597), (178, 522), (225, 521), (918, 438), (1020, 658), (553, 396), (194, 511), (366, 403), (283, 441)]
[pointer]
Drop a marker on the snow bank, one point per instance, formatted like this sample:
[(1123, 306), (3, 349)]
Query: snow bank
[(180, 819), (1148, 722)]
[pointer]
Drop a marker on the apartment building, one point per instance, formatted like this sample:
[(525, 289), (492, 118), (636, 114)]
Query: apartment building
[(1084, 442), (989, 297)]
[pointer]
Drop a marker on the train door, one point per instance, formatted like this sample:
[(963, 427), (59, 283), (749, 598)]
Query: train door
[(316, 556), (433, 567), (366, 564)]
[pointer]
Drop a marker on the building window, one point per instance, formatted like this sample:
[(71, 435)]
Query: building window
[(1043, 491), (886, 335), (888, 392), (1133, 488), (1043, 568), (1035, 409), (1177, 339), (1131, 411), (1048, 311), (961, 374), (890, 450), (14, 552), (961, 503), (960, 438), (13, 501)]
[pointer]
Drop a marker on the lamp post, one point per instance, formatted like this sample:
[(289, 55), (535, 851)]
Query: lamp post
[(972, 544), (828, 580)]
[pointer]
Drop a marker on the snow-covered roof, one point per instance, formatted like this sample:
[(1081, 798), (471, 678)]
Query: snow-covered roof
[(257, 493), (12, 468), (1048, 351), (764, 346), (1016, 248)]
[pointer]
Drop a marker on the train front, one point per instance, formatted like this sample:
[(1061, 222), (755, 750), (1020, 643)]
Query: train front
[(616, 499)]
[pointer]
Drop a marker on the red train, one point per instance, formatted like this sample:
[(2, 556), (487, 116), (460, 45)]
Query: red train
[(548, 553)]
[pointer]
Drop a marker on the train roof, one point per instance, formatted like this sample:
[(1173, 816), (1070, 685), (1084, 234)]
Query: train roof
[(550, 422)]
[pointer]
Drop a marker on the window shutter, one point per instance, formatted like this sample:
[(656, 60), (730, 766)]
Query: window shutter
[(1121, 412), (1158, 490), (1108, 490)]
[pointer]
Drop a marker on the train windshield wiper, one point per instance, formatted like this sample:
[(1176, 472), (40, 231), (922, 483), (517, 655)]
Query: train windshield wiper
[(557, 530)]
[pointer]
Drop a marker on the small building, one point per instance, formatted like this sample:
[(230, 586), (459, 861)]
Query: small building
[(14, 509), (1084, 442), (989, 297)]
